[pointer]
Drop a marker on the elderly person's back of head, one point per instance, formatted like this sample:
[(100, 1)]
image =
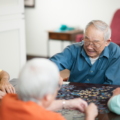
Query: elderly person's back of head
[(38, 78)]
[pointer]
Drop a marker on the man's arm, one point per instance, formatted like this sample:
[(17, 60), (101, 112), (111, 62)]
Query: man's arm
[(112, 73), (5, 86), (91, 111), (68, 104), (65, 59), (114, 102)]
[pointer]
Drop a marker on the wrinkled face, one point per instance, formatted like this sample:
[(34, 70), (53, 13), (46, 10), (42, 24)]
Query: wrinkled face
[(94, 42)]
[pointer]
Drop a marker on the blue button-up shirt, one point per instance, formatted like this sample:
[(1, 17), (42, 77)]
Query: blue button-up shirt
[(106, 69)]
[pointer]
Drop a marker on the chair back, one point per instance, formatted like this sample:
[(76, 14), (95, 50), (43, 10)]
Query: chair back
[(115, 28)]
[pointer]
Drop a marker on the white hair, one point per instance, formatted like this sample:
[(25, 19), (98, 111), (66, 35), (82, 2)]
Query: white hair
[(100, 25), (38, 78)]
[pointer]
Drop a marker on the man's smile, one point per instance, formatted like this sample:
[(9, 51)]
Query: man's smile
[(90, 51)]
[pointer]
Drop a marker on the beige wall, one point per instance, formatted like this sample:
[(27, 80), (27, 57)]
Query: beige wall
[(12, 36), (50, 14)]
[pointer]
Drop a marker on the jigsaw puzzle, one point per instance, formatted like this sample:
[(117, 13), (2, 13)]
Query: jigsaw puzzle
[(97, 95)]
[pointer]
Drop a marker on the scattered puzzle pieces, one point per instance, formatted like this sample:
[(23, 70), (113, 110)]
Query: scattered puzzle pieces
[(72, 114), (93, 94)]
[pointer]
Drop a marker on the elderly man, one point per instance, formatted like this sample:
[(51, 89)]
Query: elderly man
[(5, 86), (37, 88), (94, 60)]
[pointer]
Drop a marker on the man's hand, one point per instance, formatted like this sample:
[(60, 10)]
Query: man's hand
[(76, 104), (2, 94), (6, 87), (91, 112), (116, 91)]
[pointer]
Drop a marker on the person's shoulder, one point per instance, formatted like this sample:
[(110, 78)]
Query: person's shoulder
[(9, 97), (114, 49)]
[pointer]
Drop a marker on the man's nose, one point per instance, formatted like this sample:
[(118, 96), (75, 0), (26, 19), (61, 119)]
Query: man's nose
[(90, 46)]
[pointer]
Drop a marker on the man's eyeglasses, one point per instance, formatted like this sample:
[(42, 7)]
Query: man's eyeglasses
[(94, 44)]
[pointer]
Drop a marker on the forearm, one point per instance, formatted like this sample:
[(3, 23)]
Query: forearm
[(58, 104), (4, 76)]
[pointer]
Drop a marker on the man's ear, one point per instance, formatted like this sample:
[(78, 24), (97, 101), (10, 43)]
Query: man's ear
[(107, 42), (47, 97), (46, 100)]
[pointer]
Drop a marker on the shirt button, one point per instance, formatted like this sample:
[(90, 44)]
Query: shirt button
[(99, 58), (91, 71), (87, 79)]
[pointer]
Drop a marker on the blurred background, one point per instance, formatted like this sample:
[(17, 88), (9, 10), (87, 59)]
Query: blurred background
[(25, 24)]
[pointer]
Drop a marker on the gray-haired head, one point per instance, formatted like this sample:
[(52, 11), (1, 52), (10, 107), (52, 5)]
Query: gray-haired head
[(100, 25), (38, 78)]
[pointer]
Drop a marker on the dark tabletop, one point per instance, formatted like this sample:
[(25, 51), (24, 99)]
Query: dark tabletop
[(84, 86), (107, 89)]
